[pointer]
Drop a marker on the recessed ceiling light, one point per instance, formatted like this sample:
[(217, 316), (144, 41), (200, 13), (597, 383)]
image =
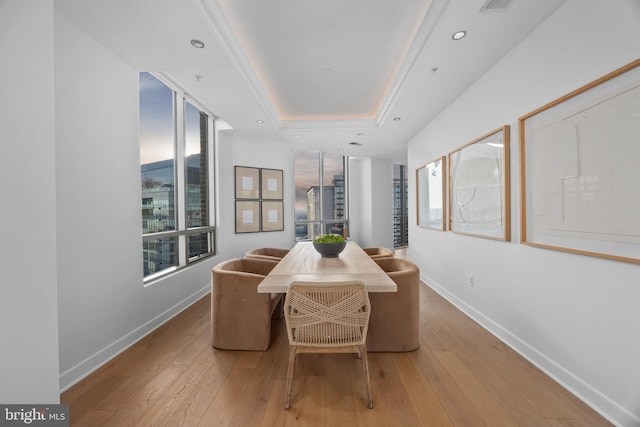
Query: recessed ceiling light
[(197, 43), (397, 119), (259, 122), (458, 35)]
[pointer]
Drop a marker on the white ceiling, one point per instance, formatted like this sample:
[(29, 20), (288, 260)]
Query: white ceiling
[(319, 73)]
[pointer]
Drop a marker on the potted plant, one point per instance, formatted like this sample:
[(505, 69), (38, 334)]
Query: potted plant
[(329, 245)]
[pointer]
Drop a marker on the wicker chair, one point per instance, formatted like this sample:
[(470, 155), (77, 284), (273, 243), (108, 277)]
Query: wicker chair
[(395, 316), (327, 318), (275, 254), (377, 253), (240, 316)]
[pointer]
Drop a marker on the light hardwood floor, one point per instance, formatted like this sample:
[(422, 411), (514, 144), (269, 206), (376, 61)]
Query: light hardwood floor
[(460, 376)]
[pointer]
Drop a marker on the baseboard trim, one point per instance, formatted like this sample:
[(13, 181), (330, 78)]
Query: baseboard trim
[(599, 402), (80, 371)]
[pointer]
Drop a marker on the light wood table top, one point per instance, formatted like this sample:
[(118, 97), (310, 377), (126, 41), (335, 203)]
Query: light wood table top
[(304, 263)]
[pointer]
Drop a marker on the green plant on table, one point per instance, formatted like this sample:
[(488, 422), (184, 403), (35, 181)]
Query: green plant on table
[(329, 238)]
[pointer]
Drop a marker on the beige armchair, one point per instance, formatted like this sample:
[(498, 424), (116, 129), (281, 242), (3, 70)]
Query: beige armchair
[(275, 254), (395, 316), (376, 253), (240, 316)]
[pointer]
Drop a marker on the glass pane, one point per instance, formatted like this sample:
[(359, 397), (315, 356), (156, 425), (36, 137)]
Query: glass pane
[(307, 179), (400, 211), (199, 244), (334, 228), (333, 183), (159, 254), (313, 230), (196, 136), (157, 155)]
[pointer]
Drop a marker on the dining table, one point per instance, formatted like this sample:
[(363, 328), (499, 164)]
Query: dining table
[(304, 263)]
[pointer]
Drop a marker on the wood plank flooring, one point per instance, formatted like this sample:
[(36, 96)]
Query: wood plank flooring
[(460, 376)]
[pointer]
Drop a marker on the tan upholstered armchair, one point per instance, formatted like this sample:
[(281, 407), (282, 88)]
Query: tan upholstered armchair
[(275, 254), (376, 253), (240, 316), (395, 316)]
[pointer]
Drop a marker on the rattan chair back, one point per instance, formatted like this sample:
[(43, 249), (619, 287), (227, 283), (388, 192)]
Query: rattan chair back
[(327, 317), (327, 314)]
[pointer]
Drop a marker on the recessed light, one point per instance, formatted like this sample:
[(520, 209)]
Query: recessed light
[(458, 35), (197, 43), (397, 119), (259, 122)]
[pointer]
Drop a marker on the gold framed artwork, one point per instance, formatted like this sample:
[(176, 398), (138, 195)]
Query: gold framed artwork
[(271, 182), (430, 194), (479, 187), (247, 216), (247, 182), (271, 218), (579, 170)]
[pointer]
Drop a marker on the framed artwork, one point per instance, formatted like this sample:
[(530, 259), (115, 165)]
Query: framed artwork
[(247, 216), (259, 199), (271, 180), (430, 194), (247, 182), (272, 215), (479, 191), (579, 170)]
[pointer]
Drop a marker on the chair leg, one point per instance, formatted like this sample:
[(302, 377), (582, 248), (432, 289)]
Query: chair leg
[(292, 362), (365, 372)]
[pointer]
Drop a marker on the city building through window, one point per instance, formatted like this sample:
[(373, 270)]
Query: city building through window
[(321, 196), (400, 209), (175, 169)]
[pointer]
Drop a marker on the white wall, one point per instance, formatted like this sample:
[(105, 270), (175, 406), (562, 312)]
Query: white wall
[(371, 202), (360, 201), (237, 151), (382, 203), (28, 304), (575, 316), (103, 305)]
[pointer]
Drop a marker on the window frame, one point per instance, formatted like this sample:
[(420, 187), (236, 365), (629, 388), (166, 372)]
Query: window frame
[(323, 222), (182, 231)]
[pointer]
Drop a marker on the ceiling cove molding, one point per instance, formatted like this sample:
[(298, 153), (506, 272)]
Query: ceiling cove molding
[(434, 10), (213, 16), (317, 125)]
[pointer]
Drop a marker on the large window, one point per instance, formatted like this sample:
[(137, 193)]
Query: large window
[(400, 203), (175, 169), (321, 196)]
